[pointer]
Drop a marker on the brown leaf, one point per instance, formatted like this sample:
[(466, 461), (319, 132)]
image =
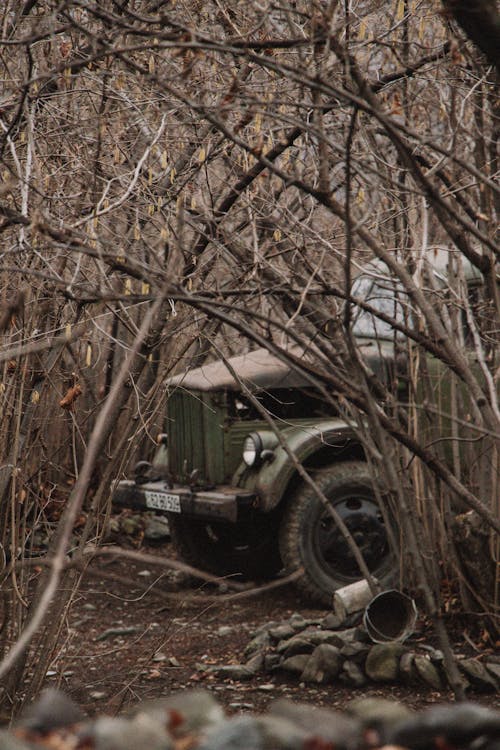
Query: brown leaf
[(70, 397)]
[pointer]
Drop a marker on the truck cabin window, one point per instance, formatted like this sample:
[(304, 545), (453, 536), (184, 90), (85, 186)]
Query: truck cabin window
[(281, 403), (386, 296)]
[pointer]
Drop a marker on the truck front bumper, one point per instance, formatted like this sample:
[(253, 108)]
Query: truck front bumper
[(222, 503)]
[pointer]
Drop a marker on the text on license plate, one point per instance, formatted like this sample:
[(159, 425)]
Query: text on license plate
[(163, 501)]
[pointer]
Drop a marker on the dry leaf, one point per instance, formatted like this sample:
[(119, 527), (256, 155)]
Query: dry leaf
[(70, 397)]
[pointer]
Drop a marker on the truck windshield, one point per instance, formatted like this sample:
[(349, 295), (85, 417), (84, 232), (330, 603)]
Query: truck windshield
[(386, 295)]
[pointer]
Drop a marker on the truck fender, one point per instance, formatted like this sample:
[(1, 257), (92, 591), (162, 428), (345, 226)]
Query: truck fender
[(271, 479)]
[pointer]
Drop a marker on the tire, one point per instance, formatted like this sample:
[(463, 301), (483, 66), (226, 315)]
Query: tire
[(248, 550), (309, 537)]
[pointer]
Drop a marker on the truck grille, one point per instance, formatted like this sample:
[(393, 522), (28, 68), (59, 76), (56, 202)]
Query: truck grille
[(195, 438)]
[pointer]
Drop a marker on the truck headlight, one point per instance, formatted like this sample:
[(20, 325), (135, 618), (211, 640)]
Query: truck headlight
[(252, 449)]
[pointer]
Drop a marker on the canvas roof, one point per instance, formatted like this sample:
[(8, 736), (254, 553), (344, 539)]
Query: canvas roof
[(257, 369)]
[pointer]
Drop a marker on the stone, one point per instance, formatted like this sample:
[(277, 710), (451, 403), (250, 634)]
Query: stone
[(355, 649), (456, 725), (316, 636), (256, 663), (240, 733), (331, 622), (478, 675), (352, 675), (272, 662), (297, 621), (156, 528), (239, 672), (192, 711), (407, 670), (296, 645), (323, 665), (435, 654), (109, 733), (52, 710), (295, 664), (132, 525), (382, 662), (348, 635), (282, 632), (159, 656), (379, 715), (266, 627), (328, 728), (279, 732), (9, 742), (259, 642), (427, 672), (494, 669)]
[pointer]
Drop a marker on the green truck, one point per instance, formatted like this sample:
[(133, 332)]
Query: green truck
[(225, 477)]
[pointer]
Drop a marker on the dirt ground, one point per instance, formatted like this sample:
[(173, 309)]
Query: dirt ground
[(134, 634)]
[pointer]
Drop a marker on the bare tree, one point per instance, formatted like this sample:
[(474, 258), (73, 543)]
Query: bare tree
[(232, 167)]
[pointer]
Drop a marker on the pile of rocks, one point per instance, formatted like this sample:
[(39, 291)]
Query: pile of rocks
[(194, 719), (323, 651)]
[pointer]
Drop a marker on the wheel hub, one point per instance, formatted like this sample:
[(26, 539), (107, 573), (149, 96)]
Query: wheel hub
[(364, 520)]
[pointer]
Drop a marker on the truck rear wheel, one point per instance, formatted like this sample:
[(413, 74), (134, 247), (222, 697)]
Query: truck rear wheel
[(248, 550), (310, 538)]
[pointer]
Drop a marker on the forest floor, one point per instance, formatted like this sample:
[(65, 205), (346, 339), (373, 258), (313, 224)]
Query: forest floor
[(133, 633)]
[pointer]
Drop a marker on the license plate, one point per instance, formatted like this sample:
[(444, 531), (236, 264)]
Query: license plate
[(163, 501)]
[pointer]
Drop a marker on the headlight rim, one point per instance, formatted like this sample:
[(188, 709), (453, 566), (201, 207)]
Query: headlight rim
[(258, 447)]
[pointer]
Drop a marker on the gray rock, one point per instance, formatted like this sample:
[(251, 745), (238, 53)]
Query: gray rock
[(331, 622), (9, 742), (427, 672), (337, 638), (348, 635), (266, 627), (256, 663), (256, 733), (353, 675), (355, 649), (407, 670), (240, 733), (332, 728), (323, 665), (239, 672), (478, 675), (379, 715), (296, 645), (271, 662), (435, 654), (295, 664), (457, 725), (52, 710), (494, 669), (123, 734), (191, 711), (131, 525), (156, 528), (282, 632), (297, 621), (315, 636), (259, 642), (278, 732), (382, 662)]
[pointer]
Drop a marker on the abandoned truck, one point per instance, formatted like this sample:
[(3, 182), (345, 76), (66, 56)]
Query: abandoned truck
[(235, 502)]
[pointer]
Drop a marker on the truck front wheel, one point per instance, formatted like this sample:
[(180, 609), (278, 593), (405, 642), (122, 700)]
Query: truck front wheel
[(310, 538)]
